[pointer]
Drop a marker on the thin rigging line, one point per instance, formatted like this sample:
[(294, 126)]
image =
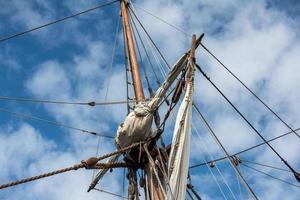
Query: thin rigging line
[(147, 55), (126, 66), (264, 165), (140, 56), (154, 45), (251, 91), (110, 193), (56, 21), (223, 65), (271, 176), (225, 152), (108, 83), (96, 154), (91, 103), (210, 155), (149, 37), (112, 58), (245, 150), (189, 194), (153, 52), (246, 120), (21, 115), (164, 21), (161, 69), (239, 185), (173, 118)]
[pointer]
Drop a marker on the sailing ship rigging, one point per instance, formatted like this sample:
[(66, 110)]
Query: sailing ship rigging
[(154, 169)]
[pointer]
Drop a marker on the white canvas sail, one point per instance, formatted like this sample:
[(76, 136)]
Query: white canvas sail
[(179, 157)]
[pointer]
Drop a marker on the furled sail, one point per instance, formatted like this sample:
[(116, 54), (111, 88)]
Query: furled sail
[(137, 125), (178, 163)]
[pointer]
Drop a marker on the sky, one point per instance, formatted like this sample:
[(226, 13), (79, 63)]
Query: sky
[(259, 40)]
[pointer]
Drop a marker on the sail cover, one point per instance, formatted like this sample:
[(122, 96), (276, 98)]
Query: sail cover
[(137, 124), (179, 156)]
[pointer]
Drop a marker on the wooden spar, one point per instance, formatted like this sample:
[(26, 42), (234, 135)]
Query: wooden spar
[(193, 48), (138, 87)]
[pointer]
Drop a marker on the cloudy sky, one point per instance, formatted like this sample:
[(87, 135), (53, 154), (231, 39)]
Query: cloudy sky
[(72, 61)]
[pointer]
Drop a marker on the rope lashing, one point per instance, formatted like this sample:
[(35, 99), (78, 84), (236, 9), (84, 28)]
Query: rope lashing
[(60, 171), (236, 160), (90, 163)]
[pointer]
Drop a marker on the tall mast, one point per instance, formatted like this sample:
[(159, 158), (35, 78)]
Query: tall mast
[(138, 87)]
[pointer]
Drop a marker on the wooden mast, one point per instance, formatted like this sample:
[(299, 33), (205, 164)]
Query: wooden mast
[(138, 87)]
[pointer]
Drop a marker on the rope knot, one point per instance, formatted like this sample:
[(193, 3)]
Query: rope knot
[(89, 163)]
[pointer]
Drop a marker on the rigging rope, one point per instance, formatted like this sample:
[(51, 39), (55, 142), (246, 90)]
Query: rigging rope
[(245, 150), (224, 66), (91, 103), (90, 163), (209, 167), (264, 165), (191, 187), (271, 176), (108, 83), (251, 91), (164, 21), (21, 115), (146, 53), (60, 171), (112, 58), (228, 70), (150, 90), (135, 16), (225, 152), (111, 193), (247, 121), (56, 21)]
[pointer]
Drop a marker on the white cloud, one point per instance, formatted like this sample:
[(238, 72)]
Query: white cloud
[(259, 43)]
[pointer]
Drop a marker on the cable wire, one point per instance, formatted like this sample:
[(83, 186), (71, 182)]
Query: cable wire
[(246, 120), (209, 168), (164, 21), (251, 91), (135, 32), (271, 176), (56, 21), (225, 152), (110, 193), (148, 35), (245, 150), (223, 65), (264, 165), (21, 115), (147, 55), (108, 82), (91, 103)]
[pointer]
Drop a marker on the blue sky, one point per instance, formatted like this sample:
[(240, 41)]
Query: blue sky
[(71, 61)]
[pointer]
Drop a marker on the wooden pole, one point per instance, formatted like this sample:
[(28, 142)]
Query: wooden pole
[(193, 48), (138, 87)]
